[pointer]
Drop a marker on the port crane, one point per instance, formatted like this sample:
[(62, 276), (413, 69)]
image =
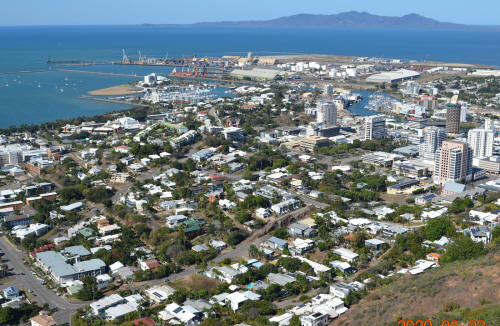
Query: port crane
[(125, 58)]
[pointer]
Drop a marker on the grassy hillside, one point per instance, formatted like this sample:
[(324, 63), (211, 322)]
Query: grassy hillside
[(461, 291)]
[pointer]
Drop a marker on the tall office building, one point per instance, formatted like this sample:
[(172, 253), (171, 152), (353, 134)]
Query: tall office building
[(453, 112), (489, 124), (326, 113), (433, 138), (481, 142), (374, 127), (453, 162)]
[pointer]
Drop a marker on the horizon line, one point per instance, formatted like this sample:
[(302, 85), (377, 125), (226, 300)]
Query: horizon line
[(216, 22)]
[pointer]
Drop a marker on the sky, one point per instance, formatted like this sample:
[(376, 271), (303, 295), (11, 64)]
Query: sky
[(99, 12)]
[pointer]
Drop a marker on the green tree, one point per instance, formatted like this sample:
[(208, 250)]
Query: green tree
[(236, 237), (462, 248), (281, 233), (295, 321), (438, 227), (89, 290)]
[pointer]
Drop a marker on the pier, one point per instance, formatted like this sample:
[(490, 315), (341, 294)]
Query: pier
[(115, 101)]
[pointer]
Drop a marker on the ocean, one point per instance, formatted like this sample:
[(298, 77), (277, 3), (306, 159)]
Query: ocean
[(46, 96)]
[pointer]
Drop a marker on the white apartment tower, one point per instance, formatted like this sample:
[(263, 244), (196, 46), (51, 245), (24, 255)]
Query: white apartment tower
[(453, 162), (374, 127), (481, 142), (489, 124), (326, 113), (433, 138)]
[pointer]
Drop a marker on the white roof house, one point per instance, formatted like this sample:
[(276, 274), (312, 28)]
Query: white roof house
[(346, 254), (115, 266), (159, 294), (236, 299)]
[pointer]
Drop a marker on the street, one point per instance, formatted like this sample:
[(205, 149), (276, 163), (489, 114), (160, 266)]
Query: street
[(29, 282)]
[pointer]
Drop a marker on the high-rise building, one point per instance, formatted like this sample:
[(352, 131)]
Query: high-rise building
[(429, 102), (433, 138), (453, 112), (481, 142), (489, 124), (453, 162), (412, 87), (328, 89), (326, 113), (374, 127), (463, 112)]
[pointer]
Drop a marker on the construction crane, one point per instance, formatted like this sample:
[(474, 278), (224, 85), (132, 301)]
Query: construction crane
[(125, 58)]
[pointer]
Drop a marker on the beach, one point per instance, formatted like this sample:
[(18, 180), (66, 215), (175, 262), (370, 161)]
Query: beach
[(124, 89)]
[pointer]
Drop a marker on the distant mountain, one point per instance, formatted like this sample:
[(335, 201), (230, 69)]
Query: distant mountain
[(351, 19)]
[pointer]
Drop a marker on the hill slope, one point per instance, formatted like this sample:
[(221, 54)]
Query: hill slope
[(473, 284), (345, 20)]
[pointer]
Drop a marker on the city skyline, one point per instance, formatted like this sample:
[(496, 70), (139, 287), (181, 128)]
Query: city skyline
[(92, 12)]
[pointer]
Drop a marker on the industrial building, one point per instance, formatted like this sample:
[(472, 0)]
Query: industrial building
[(393, 76), (259, 74)]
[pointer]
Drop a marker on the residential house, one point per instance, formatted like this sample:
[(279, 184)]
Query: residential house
[(282, 320), (216, 244), (11, 292), (159, 294), (42, 320), (285, 206), (302, 230), (277, 243), (343, 267), (236, 299), (175, 314), (223, 273), (262, 213), (280, 279), (149, 264), (374, 244), (480, 234), (340, 290), (314, 319), (346, 254)]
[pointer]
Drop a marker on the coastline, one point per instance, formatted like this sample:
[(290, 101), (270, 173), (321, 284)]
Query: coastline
[(118, 90)]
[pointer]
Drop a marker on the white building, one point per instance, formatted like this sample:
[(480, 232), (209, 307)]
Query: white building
[(314, 319), (346, 254), (412, 88), (481, 142), (326, 113), (285, 206), (236, 299), (36, 229), (433, 138), (374, 127)]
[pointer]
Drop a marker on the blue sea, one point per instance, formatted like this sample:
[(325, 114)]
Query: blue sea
[(46, 96)]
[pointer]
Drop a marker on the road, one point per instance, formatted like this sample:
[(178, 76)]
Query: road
[(29, 282), (310, 201), (215, 116)]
